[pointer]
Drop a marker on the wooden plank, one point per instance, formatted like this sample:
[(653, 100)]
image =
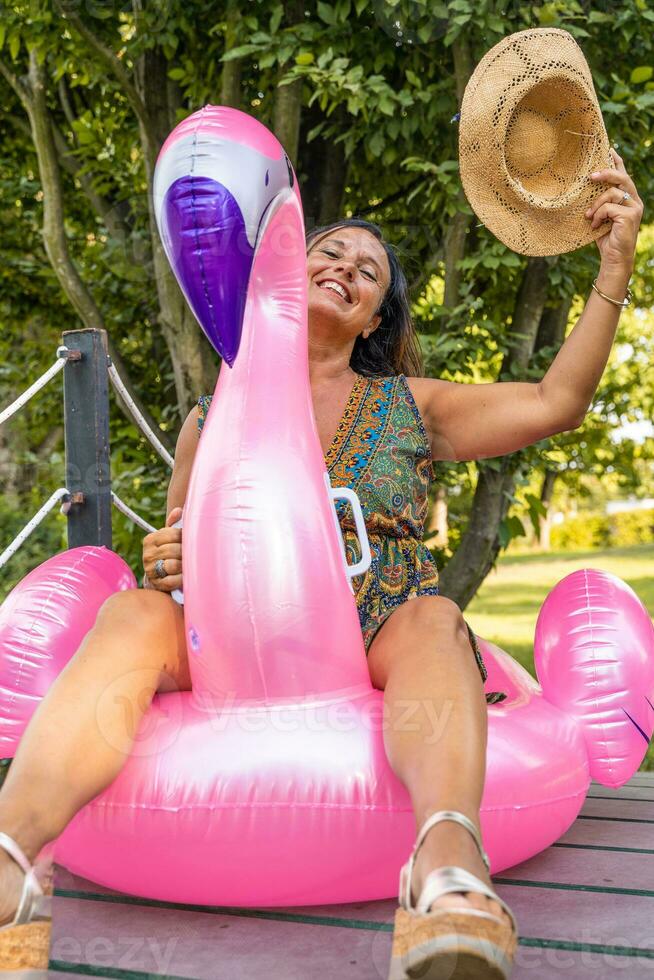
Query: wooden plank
[(344, 941), (601, 920), (609, 833), (601, 870), (560, 963), (637, 779), (557, 936), (358, 914), (65, 880), (55, 973), (619, 809), (626, 793), (208, 946)]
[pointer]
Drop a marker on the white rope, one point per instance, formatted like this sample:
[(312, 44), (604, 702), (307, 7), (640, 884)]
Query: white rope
[(128, 512), (32, 390), (138, 418), (29, 527), (48, 505)]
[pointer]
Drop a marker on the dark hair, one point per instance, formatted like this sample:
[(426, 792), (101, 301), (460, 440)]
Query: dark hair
[(393, 348)]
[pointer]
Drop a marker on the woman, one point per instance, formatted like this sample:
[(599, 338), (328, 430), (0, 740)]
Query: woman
[(365, 378)]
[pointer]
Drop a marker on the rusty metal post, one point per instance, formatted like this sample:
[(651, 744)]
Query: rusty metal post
[(86, 432)]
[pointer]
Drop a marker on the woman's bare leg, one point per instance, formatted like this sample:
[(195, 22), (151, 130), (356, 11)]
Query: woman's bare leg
[(435, 731), (82, 731)]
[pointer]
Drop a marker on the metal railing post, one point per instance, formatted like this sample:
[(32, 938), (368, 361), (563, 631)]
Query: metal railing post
[(86, 432)]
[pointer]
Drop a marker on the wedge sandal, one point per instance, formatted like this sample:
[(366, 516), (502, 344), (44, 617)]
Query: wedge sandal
[(450, 943), (25, 941)]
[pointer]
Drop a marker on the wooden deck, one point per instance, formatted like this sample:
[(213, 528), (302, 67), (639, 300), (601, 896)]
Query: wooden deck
[(585, 908)]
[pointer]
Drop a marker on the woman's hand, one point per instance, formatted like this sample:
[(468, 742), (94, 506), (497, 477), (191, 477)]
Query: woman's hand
[(617, 246), (167, 545)]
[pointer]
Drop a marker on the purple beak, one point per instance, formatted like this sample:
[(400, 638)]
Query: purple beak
[(213, 257)]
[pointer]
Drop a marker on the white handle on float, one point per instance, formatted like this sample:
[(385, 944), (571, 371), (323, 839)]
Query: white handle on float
[(345, 493), (178, 594)]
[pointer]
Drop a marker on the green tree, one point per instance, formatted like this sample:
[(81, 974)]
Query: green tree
[(364, 95)]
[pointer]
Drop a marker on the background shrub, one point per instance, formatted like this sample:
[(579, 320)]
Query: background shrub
[(577, 533), (631, 527), (590, 530)]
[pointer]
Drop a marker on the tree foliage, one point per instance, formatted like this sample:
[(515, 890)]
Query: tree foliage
[(364, 95)]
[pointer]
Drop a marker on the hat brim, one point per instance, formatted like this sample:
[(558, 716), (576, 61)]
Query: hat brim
[(541, 212)]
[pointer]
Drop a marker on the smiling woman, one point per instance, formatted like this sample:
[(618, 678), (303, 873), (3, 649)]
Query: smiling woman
[(364, 370), (370, 427), (365, 367), (392, 346)]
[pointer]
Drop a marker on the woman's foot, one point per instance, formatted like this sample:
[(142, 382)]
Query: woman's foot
[(26, 946), (11, 887), (449, 843), (12, 878)]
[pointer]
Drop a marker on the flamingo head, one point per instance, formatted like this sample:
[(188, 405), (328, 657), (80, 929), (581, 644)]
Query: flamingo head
[(217, 180)]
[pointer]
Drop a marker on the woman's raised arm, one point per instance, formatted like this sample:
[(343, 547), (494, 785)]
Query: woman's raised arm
[(473, 421), (187, 443)]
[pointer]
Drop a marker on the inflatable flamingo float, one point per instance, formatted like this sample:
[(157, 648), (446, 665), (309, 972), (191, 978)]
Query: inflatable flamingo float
[(268, 783)]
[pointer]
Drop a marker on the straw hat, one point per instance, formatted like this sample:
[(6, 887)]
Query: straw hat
[(530, 134)]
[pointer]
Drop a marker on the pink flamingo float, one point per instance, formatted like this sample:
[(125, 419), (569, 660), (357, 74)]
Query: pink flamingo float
[(268, 783)]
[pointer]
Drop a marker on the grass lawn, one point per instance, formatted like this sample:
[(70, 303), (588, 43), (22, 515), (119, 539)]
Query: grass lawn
[(506, 607)]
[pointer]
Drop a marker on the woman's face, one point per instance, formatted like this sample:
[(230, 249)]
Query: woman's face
[(357, 261)]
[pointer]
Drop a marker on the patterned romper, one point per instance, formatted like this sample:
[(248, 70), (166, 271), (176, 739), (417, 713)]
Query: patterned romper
[(381, 451)]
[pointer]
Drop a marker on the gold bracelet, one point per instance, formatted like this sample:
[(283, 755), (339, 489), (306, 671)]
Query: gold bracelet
[(616, 302)]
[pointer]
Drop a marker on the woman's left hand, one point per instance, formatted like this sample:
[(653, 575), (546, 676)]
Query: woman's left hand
[(617, 246)]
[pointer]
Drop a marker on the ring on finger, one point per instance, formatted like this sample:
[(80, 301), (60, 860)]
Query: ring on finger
[(160, 568)]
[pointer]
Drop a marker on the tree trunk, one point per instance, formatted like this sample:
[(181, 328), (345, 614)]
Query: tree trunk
[(545, 521), (33, 96), (286, 118), (310, 166), (438, 528), (154, 99), (480, 544), (551, 333), (455, 236), (230, 82), (54, 235), (322, 169), (454, 250), (463, 65), (194, 364), (333, 177), (287, 106)]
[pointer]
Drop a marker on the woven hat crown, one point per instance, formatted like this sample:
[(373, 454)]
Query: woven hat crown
[(531, 132)]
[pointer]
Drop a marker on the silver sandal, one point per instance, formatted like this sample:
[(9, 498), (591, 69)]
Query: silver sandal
[(452, 943), (25, 941)]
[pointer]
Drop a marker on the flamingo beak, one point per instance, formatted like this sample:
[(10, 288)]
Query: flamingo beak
[(218, 178), (211, 257)]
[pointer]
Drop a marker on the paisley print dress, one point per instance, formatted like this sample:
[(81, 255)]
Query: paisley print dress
[(381, 450)]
